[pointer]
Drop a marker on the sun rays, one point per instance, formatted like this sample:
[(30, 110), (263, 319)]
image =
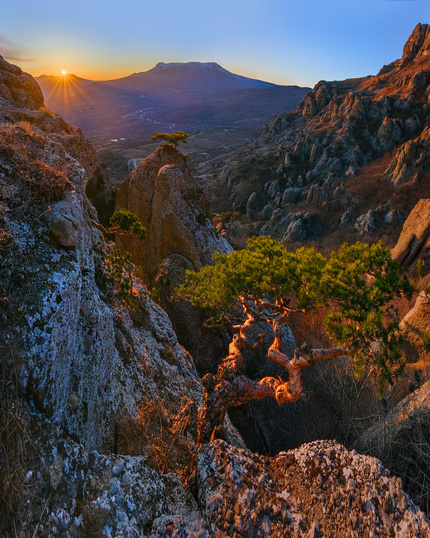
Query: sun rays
[(67, 89)]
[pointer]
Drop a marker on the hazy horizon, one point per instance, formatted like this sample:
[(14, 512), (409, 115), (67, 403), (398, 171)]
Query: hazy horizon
[(275, 41)]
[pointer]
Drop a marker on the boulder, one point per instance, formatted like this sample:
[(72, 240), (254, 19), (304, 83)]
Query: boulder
[(346, 218), (292, 195), (299, 225), (411, 161), (252, 206), (368, 223)]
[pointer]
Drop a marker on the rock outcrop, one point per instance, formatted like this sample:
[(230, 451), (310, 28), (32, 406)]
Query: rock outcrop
[(413, 243), (415, 327), (173, 209), (402, 441), (84, 360), (320, 489)]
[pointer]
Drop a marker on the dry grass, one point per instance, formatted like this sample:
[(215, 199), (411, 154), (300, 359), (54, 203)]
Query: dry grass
[(407, 454), (168, 441), (40, 176)]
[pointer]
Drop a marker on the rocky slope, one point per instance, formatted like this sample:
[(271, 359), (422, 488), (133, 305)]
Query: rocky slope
[(312, 170), (86, 375)]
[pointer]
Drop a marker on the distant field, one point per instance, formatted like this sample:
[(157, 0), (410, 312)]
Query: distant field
[(201, 146)]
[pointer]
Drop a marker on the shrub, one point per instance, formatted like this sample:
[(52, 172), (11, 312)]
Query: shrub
[(426, 341)]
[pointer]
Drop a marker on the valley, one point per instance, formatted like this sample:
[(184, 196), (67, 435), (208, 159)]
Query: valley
[(219, 109)]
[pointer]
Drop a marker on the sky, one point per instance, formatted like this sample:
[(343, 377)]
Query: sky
[(281, 41)]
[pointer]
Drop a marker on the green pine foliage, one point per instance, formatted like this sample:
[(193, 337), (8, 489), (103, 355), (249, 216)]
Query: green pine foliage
[(127, 221), (358, 285), (171, 138)]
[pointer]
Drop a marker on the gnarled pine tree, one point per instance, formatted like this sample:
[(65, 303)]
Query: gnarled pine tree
[(268, 283)]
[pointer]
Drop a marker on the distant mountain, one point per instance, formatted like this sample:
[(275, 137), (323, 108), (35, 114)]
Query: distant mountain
[(187, 76), (187, 96)]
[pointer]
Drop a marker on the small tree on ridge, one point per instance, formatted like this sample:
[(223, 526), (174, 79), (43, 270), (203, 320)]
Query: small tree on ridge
[(171, 138)]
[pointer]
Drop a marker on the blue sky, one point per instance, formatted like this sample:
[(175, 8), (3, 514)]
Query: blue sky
[(282, 41)]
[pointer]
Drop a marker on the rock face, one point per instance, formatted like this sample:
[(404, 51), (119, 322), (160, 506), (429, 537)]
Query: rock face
[(413, 243), (320, 489), (172, 207), (174, 211), (102, 194), (414, 326), (412, 160), (82, 358), (18, 89)]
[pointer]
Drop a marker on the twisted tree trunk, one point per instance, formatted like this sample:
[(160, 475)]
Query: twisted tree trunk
[(229, 389)]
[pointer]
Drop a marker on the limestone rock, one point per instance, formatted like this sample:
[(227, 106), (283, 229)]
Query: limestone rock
[(18, 89), (102, 194), (414, 326), (418, 42), (319, 489), (252, 206), (341, 127), (413, 243), (65, 221), (389, 133), (401, 441), (299, 226), (346, 218), (292, 195), (368, 223), (164, 195), (278, 223), (69, 336), (316, 195), (206, 345), (411, 161)]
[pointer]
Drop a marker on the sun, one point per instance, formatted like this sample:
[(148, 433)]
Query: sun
[(64, 72)]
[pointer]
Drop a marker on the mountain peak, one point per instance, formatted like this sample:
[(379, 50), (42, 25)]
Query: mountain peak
[(418, 41), (196, 65)]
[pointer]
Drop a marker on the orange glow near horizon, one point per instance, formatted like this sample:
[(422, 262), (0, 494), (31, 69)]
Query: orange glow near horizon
[(68, 90)]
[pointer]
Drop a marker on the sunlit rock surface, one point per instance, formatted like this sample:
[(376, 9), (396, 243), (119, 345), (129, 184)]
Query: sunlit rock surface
[(319, 489)]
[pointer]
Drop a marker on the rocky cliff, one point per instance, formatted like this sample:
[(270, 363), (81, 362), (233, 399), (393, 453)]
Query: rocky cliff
[(313, 169), (87, 376), (163, 193), (180, 236)]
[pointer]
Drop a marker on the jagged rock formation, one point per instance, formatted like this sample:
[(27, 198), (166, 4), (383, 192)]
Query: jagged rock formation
[(413, 243), (176, 214), (415, 325), (102, 194), (335, 131), (168, 201)]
